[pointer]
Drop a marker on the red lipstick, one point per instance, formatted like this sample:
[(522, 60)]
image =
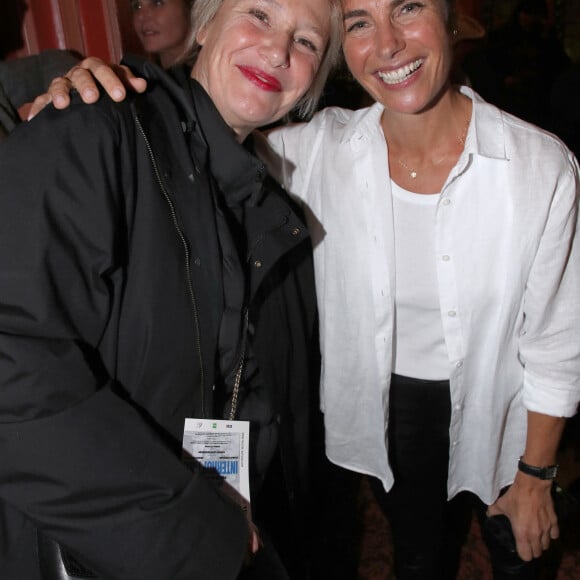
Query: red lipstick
[(261, 79)]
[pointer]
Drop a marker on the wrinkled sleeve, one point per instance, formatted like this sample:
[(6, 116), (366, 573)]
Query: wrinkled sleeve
[(25, 78), (78, 459), (550, 344)]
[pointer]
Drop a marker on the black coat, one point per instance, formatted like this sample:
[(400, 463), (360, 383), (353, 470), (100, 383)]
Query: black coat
[(23, 79), (111, 300)]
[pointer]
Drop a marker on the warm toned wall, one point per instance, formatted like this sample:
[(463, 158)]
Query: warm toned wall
[(91, 27), (103, 27)]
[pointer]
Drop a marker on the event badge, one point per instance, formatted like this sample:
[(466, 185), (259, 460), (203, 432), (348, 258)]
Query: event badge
[(220, 449)]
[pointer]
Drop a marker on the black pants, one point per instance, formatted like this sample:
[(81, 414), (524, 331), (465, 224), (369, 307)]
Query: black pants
[(427, 529)]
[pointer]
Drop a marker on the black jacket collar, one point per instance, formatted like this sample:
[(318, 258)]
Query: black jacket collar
[(238, 173)]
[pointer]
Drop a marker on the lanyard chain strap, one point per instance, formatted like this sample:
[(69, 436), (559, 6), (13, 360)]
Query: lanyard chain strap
[(237, 381), (240, 369)]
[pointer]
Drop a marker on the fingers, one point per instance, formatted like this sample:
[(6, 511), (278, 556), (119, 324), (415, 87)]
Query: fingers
[(81, 79), (255, 544), (38, 104), (137, 84), (114, 79), (58, 94), (530, 509), (532, 541)]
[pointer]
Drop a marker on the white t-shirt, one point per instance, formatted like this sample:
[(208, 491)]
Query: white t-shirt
[(419, 345)]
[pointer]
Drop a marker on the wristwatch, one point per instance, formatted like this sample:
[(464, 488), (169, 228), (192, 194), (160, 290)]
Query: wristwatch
[(549, 472)]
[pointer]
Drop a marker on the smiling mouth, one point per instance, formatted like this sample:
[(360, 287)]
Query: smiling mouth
[(398, 76), (261, 79)]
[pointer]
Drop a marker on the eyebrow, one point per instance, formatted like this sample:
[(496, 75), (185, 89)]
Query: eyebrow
[(274, 3), (355, 14), (358, 12)]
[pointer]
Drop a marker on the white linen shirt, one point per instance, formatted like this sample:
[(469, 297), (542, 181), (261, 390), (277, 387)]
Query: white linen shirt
[(508, 271)]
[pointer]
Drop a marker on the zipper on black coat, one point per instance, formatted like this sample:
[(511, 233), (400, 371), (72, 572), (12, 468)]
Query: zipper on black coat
[(187, 255)]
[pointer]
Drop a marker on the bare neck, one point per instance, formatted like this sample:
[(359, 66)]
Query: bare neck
[(422, 133), (424, 147)]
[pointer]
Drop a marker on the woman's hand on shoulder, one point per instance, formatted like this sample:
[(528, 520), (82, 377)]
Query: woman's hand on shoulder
[(114, 80)]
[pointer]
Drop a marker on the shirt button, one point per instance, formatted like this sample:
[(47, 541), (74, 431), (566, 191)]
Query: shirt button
[(446, 201), (459, 364), (452, 313), (295, 231), (257, 264), (446, 258), (458, 407)]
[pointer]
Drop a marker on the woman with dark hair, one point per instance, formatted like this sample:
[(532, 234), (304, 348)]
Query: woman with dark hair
[(448, 274)]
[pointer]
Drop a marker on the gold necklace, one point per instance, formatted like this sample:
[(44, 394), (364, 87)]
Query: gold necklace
[(413, 172)]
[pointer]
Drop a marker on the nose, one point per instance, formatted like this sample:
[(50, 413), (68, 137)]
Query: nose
[(143, 13), (276, 51), (389, 39)]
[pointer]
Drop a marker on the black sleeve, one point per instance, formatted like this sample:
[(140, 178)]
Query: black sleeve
[(76, 458), (23, 79)]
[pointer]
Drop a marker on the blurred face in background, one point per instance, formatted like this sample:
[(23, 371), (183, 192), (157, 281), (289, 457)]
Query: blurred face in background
[(162, 27)]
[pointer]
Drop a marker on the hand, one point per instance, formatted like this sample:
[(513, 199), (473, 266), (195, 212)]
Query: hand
[(115, 80), (254, 543), (529, 507)]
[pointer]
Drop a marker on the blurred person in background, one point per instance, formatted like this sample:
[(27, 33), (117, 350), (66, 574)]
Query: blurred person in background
[(162, 27)]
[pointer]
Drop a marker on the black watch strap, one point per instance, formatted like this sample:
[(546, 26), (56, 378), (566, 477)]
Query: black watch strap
[(548, 472)]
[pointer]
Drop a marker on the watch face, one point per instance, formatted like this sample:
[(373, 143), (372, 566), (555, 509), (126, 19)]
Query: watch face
[(551, 472)]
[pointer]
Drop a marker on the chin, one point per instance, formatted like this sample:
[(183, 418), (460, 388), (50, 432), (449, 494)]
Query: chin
[(254, 116)]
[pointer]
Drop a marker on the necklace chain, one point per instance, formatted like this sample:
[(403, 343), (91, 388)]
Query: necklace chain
[(413, 172)]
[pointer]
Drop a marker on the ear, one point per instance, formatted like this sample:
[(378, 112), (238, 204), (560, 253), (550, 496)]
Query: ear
[(201, 35)]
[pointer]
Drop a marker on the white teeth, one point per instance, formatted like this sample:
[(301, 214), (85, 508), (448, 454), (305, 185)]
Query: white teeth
[(399, 75)]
